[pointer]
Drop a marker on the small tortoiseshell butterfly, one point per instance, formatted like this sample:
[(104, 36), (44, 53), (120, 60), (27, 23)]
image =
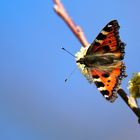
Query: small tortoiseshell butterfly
[(102, 63)]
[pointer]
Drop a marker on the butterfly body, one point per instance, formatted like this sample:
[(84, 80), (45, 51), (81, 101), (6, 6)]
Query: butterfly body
[(102, 61), (98, 60)]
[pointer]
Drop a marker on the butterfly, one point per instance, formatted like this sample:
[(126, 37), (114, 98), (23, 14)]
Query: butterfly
[(101, 62)]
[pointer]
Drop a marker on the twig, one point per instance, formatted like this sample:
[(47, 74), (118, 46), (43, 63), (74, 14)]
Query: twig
[(60, 10), (124, 96)]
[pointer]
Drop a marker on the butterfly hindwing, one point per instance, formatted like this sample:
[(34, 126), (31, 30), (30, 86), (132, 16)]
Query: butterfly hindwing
[(108, 82)]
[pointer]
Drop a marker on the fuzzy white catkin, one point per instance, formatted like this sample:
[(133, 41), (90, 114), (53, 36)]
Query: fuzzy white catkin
[(134, 85)]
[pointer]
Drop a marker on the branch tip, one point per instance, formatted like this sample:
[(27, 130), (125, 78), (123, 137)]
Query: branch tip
[(60, 10)]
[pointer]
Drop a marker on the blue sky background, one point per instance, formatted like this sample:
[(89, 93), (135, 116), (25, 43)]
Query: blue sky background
[(35, 102)]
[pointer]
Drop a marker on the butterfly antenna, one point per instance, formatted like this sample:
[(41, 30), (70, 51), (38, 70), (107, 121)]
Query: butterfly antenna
[(70, 74), (68, 52)]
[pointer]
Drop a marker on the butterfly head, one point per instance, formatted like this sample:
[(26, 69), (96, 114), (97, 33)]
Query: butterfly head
[(86, 61), (81, 61)]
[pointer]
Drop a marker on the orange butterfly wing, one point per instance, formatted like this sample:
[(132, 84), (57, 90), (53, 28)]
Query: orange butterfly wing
[(108, 41), (108, 83)]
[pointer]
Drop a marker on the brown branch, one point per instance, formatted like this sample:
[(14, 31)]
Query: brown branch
[(124, 96), (60, 10)]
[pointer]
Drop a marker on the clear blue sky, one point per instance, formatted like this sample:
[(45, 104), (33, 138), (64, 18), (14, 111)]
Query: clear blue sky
[(35, 103)]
